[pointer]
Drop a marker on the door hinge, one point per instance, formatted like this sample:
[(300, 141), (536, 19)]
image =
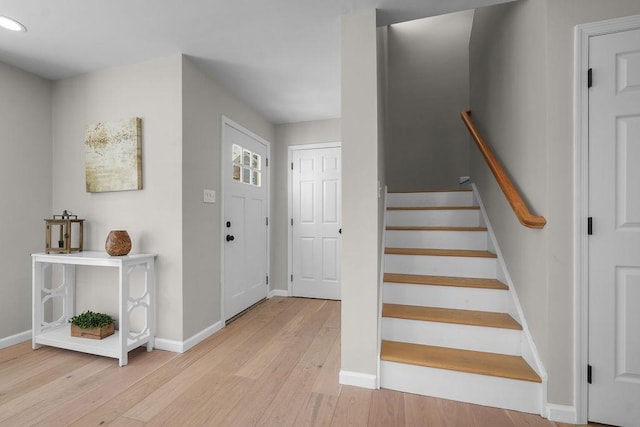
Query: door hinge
[(589, 374), (267, 280), (291, 221), (590, 226), (267, 222), (590, 77), (266, 162), (291, 165), (292, 277)]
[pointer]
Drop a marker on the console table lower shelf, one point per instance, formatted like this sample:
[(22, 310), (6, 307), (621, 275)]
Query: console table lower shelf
[(57, 333), (61, 337)]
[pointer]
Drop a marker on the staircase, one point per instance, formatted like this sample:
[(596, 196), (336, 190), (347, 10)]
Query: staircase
[(450, 328)]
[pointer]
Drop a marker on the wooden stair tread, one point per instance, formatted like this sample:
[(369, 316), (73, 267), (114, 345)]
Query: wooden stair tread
[(440, 252), (432, 228), (450, 315), (433, 208), (462, 282), (456, 190), (475, 362)]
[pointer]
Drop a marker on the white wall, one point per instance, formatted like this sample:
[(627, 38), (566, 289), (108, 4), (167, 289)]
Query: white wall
[(360, 194), (153, 216), (25, 186), (312, 132), (204, 103), (521, 62), (428, 88)]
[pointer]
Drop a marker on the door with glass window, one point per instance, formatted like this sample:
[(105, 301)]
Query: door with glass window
[(245, 224)]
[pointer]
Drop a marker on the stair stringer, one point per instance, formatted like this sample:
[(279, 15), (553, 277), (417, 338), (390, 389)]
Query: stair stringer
[(380, 283), (529, 351)]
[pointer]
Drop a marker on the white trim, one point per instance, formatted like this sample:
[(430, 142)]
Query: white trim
[(358, 379), (202, 335), (529, 350), (290, 150), (182, 346), (296, 147), (278, 293), (561, 413), (381, 283), (15, 339), (227, 121), (582, 35), (169, 345)]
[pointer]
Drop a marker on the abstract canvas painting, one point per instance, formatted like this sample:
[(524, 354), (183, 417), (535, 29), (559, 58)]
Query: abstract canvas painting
[(113, 156)]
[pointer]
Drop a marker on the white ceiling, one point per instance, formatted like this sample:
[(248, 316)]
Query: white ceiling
[(282, 57)]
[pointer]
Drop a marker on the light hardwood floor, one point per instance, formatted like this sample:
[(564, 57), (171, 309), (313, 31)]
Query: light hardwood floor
[(275, 366)]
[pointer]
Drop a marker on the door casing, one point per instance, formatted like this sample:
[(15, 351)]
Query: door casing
[(227, 121), (290, 151), (582, 36)]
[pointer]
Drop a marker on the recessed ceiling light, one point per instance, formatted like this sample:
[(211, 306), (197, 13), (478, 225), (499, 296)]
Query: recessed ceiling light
[(11, 24)]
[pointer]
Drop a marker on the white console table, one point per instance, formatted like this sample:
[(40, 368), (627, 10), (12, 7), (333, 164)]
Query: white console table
[(57, 333)]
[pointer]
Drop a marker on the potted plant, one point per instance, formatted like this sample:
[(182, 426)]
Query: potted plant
[(92, 325)]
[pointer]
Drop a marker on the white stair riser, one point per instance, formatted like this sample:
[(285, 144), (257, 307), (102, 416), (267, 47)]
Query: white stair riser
[(454, 198), (482, 268), (458, 217), (523, 396), (475, 240), (494, 300), (465, 337)]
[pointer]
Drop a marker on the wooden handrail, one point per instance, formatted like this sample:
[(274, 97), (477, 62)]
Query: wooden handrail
[(518, 205)]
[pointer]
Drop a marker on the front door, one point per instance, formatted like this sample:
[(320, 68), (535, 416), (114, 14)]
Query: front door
[(614, 246), (316, 211), (245, 227)]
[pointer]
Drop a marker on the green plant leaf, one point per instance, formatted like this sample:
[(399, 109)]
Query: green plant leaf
[(89, 320)]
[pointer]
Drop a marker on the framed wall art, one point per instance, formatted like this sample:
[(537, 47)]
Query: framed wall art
[(113, 156)]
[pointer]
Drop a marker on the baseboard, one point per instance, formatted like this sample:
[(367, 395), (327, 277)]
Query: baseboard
[(182, 346), (278, 293), (358, 379), (562, 413), (15, 339), (169, 345)]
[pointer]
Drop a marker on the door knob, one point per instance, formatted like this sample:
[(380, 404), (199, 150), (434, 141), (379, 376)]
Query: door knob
[(230, 238)]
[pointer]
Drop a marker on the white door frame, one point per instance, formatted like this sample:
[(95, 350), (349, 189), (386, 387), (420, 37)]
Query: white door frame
[(290, 151), (582, 36), (227, 121)]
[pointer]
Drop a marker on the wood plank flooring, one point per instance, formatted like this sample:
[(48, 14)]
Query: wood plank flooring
[(275, 366)]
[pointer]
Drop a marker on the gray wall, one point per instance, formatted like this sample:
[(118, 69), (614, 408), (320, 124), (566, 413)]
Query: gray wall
[(521, 61), (153, 216), (204, 103), (428, 147), (25, 186), (285, 135), (360, 203)]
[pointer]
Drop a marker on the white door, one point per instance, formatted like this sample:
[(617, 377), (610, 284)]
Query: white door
[(245, 227), (614, 246), (316, 211)]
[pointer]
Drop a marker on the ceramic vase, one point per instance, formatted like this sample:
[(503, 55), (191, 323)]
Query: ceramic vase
[(118, 243)]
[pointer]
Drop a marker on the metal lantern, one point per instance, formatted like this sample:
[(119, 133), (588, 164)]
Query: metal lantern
[(65, 223)]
